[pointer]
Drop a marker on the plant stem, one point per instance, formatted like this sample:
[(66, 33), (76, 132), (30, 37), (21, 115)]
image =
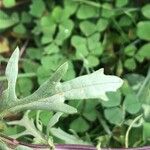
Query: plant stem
[(13, 142), (104, 124), (21, 75), (128, 131), (144, 83), (89, 3)]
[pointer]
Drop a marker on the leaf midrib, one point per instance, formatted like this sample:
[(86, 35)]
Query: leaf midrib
[(42, 99)]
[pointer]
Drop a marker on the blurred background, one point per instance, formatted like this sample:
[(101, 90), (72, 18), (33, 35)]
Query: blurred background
[(88, 34)]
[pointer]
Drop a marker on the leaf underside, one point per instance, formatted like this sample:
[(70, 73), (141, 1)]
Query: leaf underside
[(52, 94)]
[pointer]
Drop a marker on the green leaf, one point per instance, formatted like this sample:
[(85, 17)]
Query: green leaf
[(144, 51), (9, 3), (52, 93), (135, 80), (102, 24), (114, 99), (30, 66), (11, 75), (86, 11), (107, 11), (94, 45), (48, 26), (126, 88), (34, 53), (87, 27), (65, 29), (89, 109), (51, 48), (114, 115), (130, 50), (74, 89), (37, 8), (67, 138), (79, 125), (54, 119), (48, 87), (91, 61), (45, 116), (19, 29), (146, 11), (146, 112), (98, 50), (24, 86), (125, 21), (43, 74), (52, 61), (143, 30), (139, 58), (144, 91), (130, 64), (70, 72), (80, 44), (57, 14), (91, 116), (132, 104), (78, 40), (121, 3), (8, 21), (93, 41), (70, 7), (25, 17), (30, 128), (146, 131), (94, 85)]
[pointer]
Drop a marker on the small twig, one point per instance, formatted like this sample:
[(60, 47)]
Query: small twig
[(23, 48)]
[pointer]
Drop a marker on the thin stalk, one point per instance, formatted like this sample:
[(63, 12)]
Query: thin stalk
[(21, 75), (128, 131), (89, 3), (120, 30), (104, 124), (13, 142), (144, 83)]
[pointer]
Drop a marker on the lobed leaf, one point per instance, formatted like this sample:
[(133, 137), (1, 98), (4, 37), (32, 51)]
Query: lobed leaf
[(52, 93)]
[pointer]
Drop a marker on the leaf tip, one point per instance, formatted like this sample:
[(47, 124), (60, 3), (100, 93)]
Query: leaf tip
[(16, 52)]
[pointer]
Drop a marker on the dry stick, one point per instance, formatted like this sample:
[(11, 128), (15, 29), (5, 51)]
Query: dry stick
[(24, 47)]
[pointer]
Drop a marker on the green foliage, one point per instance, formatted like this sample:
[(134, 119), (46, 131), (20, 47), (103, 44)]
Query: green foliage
[(8, 21), (114, 99), (114, 115), (37, 8), (79, 125), (88, 34), (146, 11), (146, 131), (143, 29), (132, 104)]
